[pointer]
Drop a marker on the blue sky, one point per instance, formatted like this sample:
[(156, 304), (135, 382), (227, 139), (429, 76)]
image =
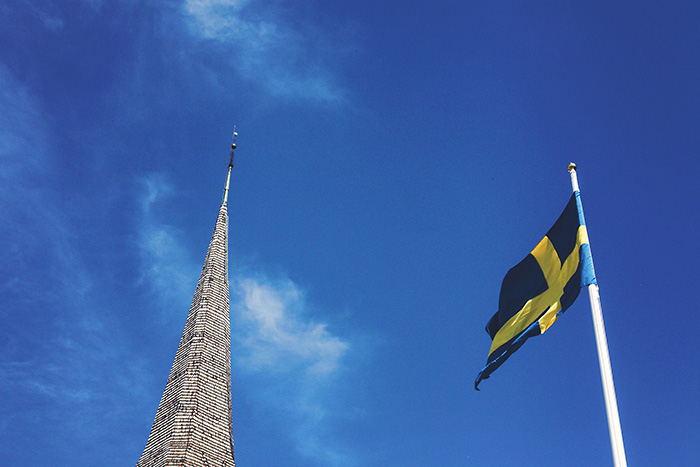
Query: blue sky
[(395, 159)]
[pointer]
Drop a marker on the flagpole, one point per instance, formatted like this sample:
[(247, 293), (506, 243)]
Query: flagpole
[(618, 447)]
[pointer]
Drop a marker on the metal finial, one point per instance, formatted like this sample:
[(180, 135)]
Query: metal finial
[(233, 146), (230, 165), (571, 167)]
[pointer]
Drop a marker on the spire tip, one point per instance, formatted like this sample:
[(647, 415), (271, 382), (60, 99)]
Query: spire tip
[(230, 166), (233, 146), (571, 167)]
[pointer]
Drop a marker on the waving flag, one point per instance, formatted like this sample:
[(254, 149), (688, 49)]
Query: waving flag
[(541, 287)]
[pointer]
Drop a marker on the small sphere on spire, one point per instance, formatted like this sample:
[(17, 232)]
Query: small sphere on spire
[(571, 167)]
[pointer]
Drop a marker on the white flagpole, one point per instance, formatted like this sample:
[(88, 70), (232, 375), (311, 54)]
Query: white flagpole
[(618, 447)]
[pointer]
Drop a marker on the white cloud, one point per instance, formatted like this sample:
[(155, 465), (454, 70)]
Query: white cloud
[(219, 19), (59, 350), (36, 233), (22, 130), (47, 13), (277, 336), (296, 357), (167, 268), (266, 49)]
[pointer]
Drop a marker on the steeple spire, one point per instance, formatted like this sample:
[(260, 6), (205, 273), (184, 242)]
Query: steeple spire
[(193, 425)]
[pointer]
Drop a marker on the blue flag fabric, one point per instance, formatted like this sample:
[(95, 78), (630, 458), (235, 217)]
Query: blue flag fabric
[(536, 291)]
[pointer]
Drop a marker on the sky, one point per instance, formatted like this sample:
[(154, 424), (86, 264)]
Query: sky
[(394, 160)]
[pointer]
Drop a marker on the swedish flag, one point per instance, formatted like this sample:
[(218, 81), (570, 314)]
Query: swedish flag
[(541, 287)]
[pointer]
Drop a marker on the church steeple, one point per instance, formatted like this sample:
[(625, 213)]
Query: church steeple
[(193, 425)]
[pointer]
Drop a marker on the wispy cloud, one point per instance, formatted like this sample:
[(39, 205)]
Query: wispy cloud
[(34, 232), (219, 19), (277, 338), (287, 62), (22, 130), (299, 358), (46, 12), (59, 349), (167, 268)]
